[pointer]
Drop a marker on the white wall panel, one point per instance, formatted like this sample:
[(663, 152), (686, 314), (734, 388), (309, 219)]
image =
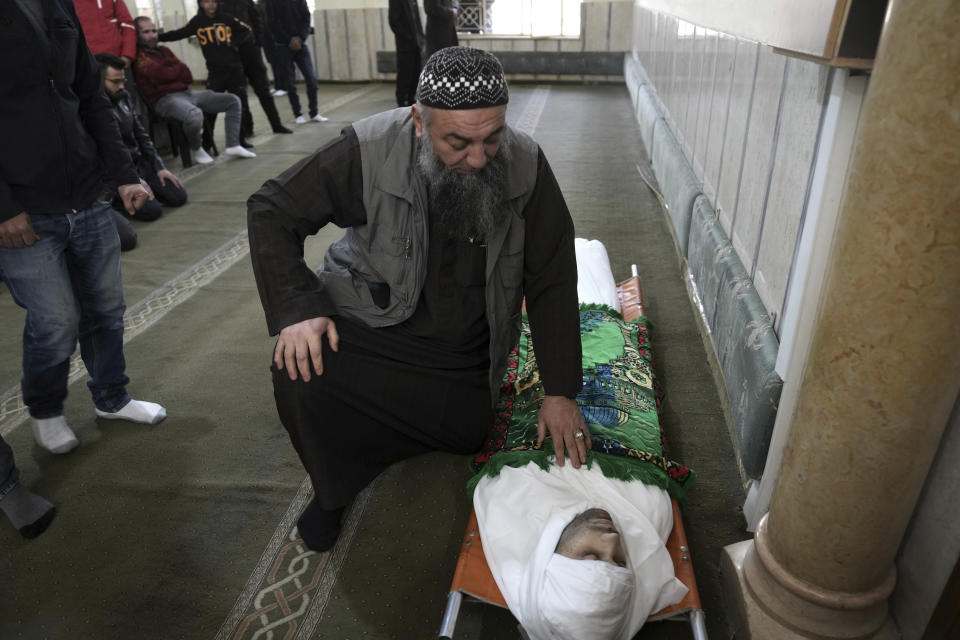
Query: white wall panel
[(758, 159), (746, 60), (595, 26), (801, 111), (621, 26), (708, 74), (720, 100)]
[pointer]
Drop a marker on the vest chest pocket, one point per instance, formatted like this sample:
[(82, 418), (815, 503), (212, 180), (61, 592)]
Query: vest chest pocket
[(511, 269)]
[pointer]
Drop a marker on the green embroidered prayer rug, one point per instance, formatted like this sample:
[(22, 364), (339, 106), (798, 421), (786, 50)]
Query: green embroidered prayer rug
[(618, 400)]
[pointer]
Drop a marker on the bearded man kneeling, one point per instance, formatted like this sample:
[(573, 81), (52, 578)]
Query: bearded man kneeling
[(397, 344)]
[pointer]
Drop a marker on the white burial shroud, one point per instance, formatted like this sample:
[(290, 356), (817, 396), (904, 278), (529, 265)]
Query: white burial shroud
[(521, 514), (595, 283)]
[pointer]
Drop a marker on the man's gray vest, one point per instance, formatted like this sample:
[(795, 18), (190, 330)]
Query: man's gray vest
[(392, 246)]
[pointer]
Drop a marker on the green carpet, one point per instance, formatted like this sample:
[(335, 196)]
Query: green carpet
[(182, 530)]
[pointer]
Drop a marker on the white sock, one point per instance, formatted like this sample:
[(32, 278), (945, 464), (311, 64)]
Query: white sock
[(240, 152), (54, 435), (137, 411), (201, 157)]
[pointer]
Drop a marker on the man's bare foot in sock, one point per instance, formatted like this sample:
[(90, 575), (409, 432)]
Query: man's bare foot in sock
[(54, 435), (137, 411)]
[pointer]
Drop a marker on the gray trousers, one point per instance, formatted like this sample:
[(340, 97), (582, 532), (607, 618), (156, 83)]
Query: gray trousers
[(189, 107)]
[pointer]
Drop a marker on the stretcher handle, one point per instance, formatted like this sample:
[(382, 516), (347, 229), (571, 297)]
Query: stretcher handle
[(450, 615)]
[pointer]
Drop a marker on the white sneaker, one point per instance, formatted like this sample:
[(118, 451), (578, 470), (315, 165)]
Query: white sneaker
[(201, 157), (240, 152), (301, 119), (279, 92), (319, 118)]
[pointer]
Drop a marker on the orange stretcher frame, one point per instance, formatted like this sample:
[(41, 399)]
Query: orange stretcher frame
[(473, 582)]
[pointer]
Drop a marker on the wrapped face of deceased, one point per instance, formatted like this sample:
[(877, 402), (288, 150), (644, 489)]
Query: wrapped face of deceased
[(591, 535)]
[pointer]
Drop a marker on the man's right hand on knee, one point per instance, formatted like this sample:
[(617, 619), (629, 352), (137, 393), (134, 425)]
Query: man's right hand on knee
[(17, 232), (301, 343)]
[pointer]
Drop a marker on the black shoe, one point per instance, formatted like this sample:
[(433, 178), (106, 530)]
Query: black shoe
[(245, 144), (319, 527), (281, 129)]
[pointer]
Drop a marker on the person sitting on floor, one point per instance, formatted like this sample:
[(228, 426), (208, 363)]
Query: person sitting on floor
[(166, 187), (164, 80)]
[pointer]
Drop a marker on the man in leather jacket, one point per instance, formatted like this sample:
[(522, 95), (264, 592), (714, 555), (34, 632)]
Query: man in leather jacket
[(166, 187)]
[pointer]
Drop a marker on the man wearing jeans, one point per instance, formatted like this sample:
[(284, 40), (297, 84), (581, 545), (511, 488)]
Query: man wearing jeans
[(288, 21), (164, 81), (59, 250)]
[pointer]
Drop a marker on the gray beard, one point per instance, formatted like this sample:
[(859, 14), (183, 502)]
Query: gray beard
[(467, 207)]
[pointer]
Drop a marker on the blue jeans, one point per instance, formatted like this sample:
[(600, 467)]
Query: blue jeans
[(9, 474), (69, 283), (304, 61)]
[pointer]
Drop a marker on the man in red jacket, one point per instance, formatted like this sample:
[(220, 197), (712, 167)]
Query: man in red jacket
[(108, 27), (164, 81)]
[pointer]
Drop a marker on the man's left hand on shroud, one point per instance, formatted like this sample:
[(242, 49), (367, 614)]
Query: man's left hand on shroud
[(134, 196), (562, 417)]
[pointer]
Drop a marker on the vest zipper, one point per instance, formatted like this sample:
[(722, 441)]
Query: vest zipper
[(407, 246)]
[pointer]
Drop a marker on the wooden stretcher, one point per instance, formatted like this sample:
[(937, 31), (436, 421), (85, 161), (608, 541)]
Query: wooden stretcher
[(473, 582)]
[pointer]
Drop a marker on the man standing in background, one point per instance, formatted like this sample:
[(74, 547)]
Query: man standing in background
[(408, 34), (289, 22), (441, 25), (108, 28), (253, 68)]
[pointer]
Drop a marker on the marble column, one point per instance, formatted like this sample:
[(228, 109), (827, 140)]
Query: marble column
[(884, 365)]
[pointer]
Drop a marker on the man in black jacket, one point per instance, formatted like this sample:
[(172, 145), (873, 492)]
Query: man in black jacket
[(408, 35), (288, 21), (253, 67), (59, 250), (166, 187), (441, 25)]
